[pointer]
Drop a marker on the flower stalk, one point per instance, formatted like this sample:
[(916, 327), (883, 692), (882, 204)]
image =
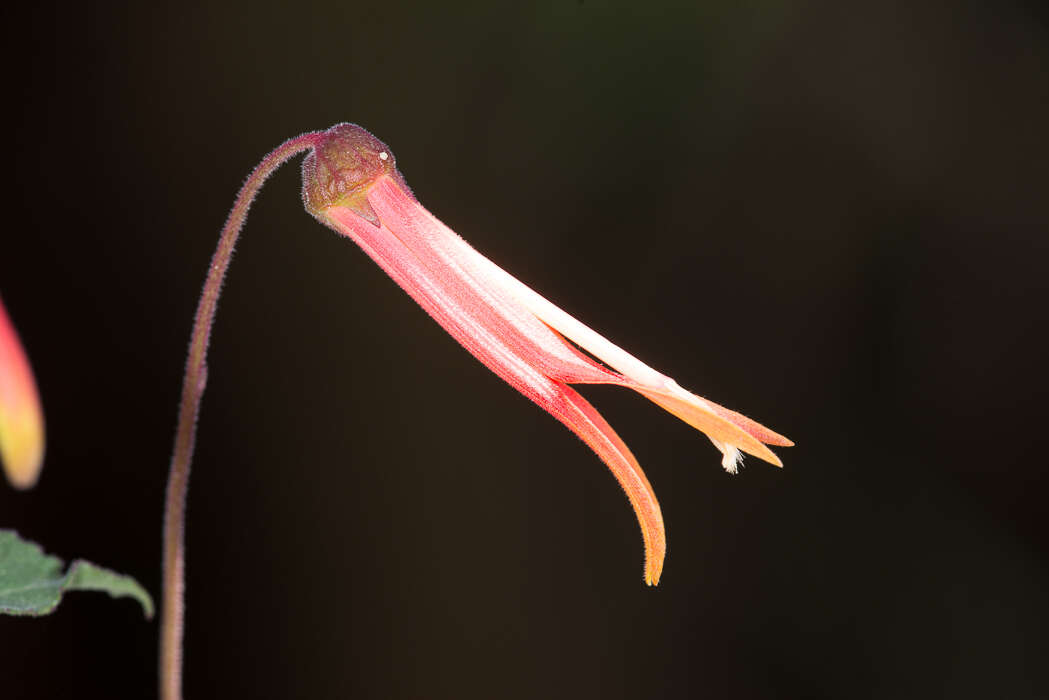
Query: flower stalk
[(174, 562), (352, 185)]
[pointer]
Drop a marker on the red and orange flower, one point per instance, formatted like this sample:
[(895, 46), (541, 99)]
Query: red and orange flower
[(21, 418), (351, 184)]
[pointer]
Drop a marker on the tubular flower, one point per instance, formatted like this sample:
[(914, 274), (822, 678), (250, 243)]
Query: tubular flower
[(21, 418), (352, 185)]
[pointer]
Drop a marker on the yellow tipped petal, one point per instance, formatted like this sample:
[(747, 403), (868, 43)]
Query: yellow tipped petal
[(21, 418), (756, 429), (700, 414)]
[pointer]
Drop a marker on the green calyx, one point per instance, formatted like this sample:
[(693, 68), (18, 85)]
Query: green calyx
[(344, 164)]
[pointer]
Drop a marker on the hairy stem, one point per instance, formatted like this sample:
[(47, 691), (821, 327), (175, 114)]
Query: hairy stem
[(171, 625)]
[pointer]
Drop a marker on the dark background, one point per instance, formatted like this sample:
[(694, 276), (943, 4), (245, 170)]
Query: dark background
[(829, 215)]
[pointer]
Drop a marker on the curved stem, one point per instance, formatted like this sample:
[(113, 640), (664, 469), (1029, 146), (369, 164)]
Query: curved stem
[(171, 625)]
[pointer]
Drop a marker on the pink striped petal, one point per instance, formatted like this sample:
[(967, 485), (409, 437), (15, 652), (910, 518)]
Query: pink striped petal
[(352, 185), (439, 247)]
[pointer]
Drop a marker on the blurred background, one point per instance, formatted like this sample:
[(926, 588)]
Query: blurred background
[(831, 216)]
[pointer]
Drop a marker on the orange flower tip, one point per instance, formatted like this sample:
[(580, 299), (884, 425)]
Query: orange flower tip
[(767, 456), (652, 577), (777, 440), (344, 164)]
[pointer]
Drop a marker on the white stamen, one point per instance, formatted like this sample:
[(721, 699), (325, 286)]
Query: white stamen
[(384, 156), (731, 458)]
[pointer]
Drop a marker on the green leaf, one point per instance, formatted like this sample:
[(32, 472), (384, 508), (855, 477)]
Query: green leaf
[(32, 583)]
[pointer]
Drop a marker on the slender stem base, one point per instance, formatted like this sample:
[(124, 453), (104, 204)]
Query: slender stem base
[(171, 625)]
